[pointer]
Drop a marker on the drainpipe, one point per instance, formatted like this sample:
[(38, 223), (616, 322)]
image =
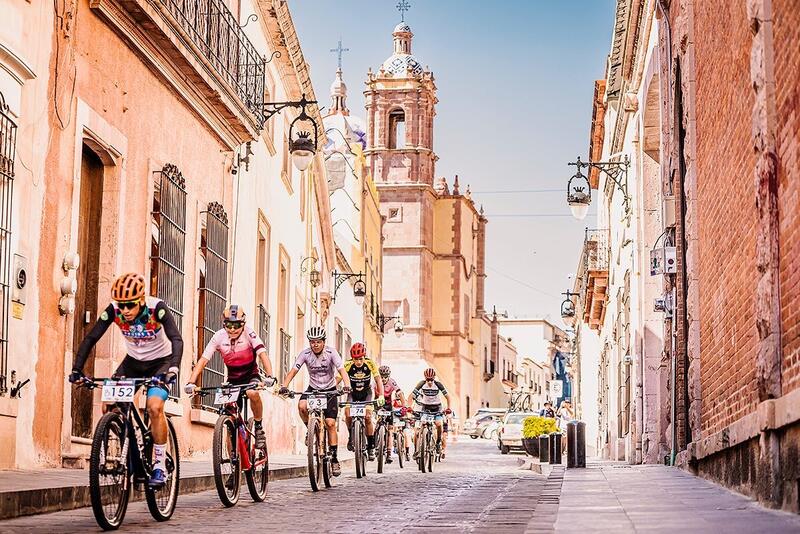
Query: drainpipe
[(639, 403), (673, 358)]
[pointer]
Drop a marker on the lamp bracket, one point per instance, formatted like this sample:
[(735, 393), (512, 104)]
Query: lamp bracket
[(341, 278), (383, 320), (271, 108), (617, 171)]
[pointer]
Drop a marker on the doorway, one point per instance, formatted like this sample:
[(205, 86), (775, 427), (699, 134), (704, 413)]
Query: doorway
[(89, 225)]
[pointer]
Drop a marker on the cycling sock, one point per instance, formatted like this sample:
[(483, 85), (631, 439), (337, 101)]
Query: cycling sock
[(159, 455), (333, 449), (257, 422), (371, 442)]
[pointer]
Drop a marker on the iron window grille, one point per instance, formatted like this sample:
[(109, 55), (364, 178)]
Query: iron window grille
[(263, 325), (8, 145), (286, 342), (213, 291), (168, 244), (216, 32)]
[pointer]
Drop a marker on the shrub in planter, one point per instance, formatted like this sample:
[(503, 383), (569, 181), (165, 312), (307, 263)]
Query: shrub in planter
[(532, 428)]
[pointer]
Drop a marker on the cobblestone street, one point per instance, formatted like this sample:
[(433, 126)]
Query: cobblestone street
[(474, 489)]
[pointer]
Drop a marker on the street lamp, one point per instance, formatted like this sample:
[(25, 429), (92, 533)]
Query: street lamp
[(579, 190), (383, 320), (359, 286), (568, 309), (303, 131), (314, 277)]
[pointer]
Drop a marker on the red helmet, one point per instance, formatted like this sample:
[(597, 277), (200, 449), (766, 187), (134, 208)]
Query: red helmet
[(358, 350), (430, 373)]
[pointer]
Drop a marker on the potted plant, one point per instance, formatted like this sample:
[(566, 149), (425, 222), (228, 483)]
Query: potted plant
[(532, 428)]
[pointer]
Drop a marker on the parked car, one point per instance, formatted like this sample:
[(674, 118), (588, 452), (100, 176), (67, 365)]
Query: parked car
[(510, 435), (483, 420)]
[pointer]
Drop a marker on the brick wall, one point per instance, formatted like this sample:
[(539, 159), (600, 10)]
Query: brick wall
[(727, 217), (786, 34)]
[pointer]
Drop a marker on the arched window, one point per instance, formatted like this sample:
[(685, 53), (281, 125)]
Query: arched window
[(397, 129)]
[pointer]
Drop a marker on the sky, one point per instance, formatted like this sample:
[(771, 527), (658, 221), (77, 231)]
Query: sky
[(515, 83)]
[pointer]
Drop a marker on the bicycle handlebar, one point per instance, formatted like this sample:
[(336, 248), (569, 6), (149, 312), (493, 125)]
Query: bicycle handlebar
[(242, 387), (92, 383), (336, 393)]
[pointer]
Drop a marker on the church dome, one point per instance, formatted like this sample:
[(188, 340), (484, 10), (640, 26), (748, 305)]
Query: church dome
[(402, 27), (397, 64)]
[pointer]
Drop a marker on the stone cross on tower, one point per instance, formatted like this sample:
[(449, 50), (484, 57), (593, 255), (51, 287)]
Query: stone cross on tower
[(402, 7), (339, 51)]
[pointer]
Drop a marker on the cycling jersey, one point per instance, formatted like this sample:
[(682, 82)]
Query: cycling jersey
[(427, 393), (238, 354), (321, 369), (389, 387), (360, 376), (152, 335)]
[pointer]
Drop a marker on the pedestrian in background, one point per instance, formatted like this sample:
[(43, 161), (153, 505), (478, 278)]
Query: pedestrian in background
[(547, 411)]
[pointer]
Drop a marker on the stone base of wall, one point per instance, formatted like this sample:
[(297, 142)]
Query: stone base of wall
[(743, 468)]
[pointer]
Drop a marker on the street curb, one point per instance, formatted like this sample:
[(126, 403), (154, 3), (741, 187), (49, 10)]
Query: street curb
[(44, 500)]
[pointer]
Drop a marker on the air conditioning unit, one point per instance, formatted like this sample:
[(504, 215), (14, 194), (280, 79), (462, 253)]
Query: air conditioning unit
[(663, 260)]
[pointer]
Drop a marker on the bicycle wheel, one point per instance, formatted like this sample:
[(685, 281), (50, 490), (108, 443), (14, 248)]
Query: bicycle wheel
[(109, 478), (400, 444), (431, 449), (380, 446), (161, 501), (258, 475), (422, 441), (358, 446), (312, 443), (325, 458), (227, 468)]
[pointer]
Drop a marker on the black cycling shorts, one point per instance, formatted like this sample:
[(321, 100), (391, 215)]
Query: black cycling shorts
[(332, 409), (365, 395), (133, 368)]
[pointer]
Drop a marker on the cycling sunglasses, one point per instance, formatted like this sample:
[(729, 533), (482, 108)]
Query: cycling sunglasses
[(128, 305), (233, 324)]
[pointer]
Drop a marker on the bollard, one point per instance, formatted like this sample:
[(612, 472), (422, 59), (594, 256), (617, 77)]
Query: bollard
[(580, 444), (544, 448), (571, 444), (555, 448)]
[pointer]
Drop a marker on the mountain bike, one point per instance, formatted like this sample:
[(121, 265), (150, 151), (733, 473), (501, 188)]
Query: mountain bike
[(319, 457), (426, 441), (358, 415), (382, 436), (234, 447), (121, 453)]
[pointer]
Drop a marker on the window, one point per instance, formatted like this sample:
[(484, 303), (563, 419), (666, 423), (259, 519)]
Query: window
[(168, 244), (213, 289), (348, 342), (8, 145), (395, 214), (262, 279), (397, 129), (339, 337)]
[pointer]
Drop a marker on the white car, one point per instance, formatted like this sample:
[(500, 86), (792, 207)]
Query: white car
[(510, 435)]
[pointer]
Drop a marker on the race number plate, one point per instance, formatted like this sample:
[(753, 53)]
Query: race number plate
[(118, 390), (317, 403), (358, 410), (428, 418), (226, 396)]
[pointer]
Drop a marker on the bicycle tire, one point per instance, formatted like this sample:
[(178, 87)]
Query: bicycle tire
[(110, 422), (325, 458), (161, 501), (257, 477), (422, 440), (225, 452), (358, 445), (380, 446), (431, 450), (312, 445), (400, 443)]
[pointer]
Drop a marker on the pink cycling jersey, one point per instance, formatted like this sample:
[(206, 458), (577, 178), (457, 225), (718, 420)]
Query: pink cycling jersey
[(239, 354)]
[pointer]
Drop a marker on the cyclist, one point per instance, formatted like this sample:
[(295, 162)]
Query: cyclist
[(362, 371), (241, 350), (448, 422), (323, 363), (426, 394), (391, 392), (154, 349)]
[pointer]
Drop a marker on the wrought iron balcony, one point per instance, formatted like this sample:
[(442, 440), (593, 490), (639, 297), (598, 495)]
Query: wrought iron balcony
[(286, 342), (198, 48), (263, 325), (593, 276)]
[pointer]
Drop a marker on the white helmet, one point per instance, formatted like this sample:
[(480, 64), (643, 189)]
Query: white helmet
[(316, 332)]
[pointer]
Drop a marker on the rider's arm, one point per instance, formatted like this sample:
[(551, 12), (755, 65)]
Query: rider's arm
[(203, 360), (263, 357), (94, 335), (344, 377), (288, 379), (173, 334), (376, 377)]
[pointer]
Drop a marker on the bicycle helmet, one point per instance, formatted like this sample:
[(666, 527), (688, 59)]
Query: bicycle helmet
[(128, 287), (358, 350), (234, 314), (384, 371), (430, 373), (315, 333)]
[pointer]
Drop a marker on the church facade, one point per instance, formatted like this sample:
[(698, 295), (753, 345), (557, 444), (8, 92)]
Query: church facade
[(433, 253)]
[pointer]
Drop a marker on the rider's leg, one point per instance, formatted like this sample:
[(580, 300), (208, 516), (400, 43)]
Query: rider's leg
[(438, 424), (158, 425), (256, 404), (302, 407), (333, 438)]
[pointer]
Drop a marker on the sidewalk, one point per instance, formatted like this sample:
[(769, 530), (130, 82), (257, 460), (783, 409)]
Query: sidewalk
[(614, 497), (51, 490)]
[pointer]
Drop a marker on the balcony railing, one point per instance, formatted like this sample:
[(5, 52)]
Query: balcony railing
[(216, 32), (593, 276), (286, 342)]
